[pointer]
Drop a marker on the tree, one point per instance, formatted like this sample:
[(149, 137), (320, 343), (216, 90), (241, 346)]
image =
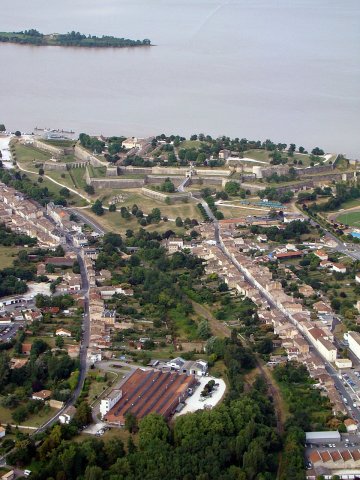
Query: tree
[(113, 450), (232, 188), (223, 287), (131, 422), (178, 222), (93, 473), (20, 414), (317, 151), (112, 207), (203, 330), (152, 427), (2, 127), (41, 171), (64, 192), (83, 415), (89, 189), (97, 208), (38, 347), (17, 133), (4, 370), (59, 341)]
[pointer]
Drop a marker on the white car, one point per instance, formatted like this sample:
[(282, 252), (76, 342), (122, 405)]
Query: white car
[(27, 473)]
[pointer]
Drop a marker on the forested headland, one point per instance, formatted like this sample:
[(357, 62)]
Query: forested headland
[(70, 39)]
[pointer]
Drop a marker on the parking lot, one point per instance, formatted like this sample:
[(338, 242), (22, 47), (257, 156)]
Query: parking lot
[(348, 441), (351, 381), (7, 332)]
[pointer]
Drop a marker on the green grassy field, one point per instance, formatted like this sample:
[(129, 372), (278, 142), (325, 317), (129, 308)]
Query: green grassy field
[(235, 212), (190, 144), (7, 255), (262, 155), (350, 218), (27, 155), (33, 421), (146, 204), (60, 143), (97, 172), (113, 222)]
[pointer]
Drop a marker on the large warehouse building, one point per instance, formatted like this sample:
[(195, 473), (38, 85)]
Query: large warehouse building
[(323, 437), (150, 391)]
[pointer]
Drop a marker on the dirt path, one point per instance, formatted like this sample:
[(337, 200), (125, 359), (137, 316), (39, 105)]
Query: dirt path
[(276, 395), (219, 329)]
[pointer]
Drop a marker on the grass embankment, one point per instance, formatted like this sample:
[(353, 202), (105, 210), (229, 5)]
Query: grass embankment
[(264, 156), (28, 156), (60, 143), (146, 204), (113, 222)]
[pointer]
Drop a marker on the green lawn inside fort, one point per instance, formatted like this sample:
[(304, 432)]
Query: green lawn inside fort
[(351, 218)]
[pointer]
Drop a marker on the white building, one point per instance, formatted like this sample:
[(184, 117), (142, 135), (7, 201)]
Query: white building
[(327, 349), (2, 432), (343, 363), (339, 268), (62, 332), (108, 402), (132, 142), (67, 415), (95, 357), (357, 278), (176, 363), (354, 343)]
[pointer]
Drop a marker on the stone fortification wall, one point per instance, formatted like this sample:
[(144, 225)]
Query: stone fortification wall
[(161, 196), (111, 171), (332, 176), (57, 166), (254, 188), (157, 180), (173, 171), (317, 169), (264, 172), (135, 170), (57, 151), (84, 155), (169, 170), (76, 164), (115, 183), (61, 166)]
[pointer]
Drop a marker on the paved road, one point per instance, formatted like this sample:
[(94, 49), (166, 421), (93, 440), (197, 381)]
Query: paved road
[(84, 345), (86, 219), (349, 249)]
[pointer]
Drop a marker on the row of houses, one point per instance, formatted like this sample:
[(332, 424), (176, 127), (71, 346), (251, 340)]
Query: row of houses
[(292, 322), (102, 319), (27, 217)]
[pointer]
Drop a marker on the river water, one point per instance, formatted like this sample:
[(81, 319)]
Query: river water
[(288, 70)]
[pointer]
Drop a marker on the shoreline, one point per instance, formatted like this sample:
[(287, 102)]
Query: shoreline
[(86, 47)]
